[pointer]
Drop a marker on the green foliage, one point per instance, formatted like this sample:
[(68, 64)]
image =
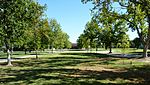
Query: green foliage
[(135, 12), (16, 17), (90, 35), (44, 33), (104, 30), (123, 42), (83, 42), (67, 43), (91, 31), (59, 39), (136, 43), (113, 29)]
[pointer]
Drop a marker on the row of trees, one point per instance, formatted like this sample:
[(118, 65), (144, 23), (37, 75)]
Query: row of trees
[(105, 30), (48, 35), (135, 12), (107, 35), (22, 24)]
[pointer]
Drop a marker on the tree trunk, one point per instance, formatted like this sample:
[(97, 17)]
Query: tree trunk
[(91, 45), (145, 51), (110, 48), (30, 51), (36, 54), (52, 50), (146, 45), (48, 47), (11, 52), (25, 51), (8, 58), (96, 49)]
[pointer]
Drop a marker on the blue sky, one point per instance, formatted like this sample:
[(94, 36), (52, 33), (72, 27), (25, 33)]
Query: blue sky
[(72, 16)]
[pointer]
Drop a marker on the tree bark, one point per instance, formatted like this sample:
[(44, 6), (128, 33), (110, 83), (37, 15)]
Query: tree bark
[(11, 51), (110, 48), (25, 51), (91, 45), (146, 44), (96, 49), (8, 58), (36, 54), (145, 51), (52, 47), (8, 52)]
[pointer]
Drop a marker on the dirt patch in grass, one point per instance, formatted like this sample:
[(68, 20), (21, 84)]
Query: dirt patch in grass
[(96, 68)]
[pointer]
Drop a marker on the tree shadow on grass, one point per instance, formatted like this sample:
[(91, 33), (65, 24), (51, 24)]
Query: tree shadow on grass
[(47, 62), (53, 71), (91, 55), (67, 60), (64, 76)]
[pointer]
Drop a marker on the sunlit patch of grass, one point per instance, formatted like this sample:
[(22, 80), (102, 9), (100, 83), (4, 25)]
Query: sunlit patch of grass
[(76, 69), (128, 50), (118, 81), (15, 54), (42, 81)]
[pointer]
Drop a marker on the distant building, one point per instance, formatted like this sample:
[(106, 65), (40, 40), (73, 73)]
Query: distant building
[(74, 46)]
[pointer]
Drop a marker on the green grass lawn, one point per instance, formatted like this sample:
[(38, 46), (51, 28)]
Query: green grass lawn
[(127, 50), (75, 69), (120, 50), (17, 54)]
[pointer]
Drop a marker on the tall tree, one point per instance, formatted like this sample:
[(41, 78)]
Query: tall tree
[(91, 30), (67, 44), (44, 33), (53, 25), (56, 28), (65, 40), (59, 39), (135, 12), (26, 41), (112, 28), (16, 16), (123, 41), (83, 41)]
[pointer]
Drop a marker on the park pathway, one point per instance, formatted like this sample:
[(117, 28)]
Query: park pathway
[(119, 54), (18, 58), (101, 52)]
